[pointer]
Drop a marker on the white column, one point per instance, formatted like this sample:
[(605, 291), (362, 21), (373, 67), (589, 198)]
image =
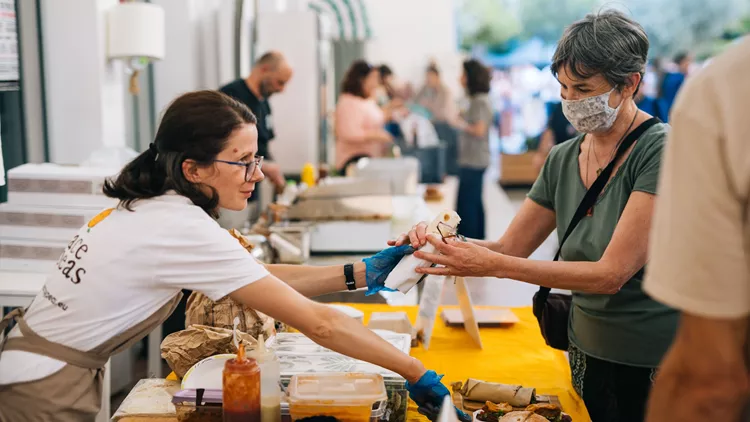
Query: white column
[(84, 90)]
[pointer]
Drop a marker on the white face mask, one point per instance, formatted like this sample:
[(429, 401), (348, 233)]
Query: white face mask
[(592, 114)]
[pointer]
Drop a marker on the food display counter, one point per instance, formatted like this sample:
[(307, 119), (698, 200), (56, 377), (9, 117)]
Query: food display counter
[(511, 355)]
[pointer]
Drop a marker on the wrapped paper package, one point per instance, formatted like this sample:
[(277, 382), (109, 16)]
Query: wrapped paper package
[(185, 348), (480, 392), (403, 278), (201, 310)]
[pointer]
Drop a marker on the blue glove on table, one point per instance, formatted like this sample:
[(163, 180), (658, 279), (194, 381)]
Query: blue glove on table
[(381, 264), (429, 394)]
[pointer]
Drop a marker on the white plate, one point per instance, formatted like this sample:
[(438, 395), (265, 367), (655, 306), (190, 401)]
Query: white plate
[(206, 373)]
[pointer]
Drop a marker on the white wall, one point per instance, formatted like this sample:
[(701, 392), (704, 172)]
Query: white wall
[(84, 91), (409, 33)]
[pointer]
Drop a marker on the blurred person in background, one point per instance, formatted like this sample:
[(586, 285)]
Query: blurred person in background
[(672, 82), (700, 250), (558, 131), (646, 102), (390, 100), (434, 96), (359, 123), (617, 334), (473, 148), (269, 76)]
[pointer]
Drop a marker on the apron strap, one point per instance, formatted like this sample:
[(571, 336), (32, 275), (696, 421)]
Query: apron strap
[(93, 359), (34, 343), (5, 322)]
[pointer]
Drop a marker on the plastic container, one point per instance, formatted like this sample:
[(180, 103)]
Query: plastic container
[(241, 389), (376, 415), (198, 405), (270, 373), (348, 397), (301, 356)]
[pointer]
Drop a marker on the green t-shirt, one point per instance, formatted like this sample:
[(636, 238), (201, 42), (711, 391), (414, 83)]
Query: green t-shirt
[(627, 327)]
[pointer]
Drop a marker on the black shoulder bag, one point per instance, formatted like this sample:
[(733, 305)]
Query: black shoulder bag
[(553, 310)]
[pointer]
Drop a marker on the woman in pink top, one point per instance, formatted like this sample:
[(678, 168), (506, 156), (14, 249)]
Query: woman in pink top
[(360, 123)]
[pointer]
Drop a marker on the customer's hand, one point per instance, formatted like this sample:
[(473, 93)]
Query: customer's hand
[(380, 265), (429, 394), (456, 257)]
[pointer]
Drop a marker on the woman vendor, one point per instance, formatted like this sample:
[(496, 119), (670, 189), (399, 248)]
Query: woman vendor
[(122, 274)]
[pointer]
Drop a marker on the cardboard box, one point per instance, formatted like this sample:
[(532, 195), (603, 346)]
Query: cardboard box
[(42, 223), (517, 169), (53, 185)]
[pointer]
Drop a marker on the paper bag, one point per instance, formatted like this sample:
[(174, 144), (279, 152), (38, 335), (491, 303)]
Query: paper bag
[(480, 391), (201, 310), (185, 348), (403, 277)]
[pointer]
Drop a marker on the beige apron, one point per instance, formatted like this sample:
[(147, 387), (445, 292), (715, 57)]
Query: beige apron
[(74, 393)]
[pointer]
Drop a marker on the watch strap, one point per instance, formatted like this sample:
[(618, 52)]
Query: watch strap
[(351, 285)]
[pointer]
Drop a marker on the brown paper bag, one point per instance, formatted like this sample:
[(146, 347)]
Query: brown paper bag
[(481, 392), (185, 348), (201, 310)]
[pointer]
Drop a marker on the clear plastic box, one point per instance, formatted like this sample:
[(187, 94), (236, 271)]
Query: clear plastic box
[(348, 397)]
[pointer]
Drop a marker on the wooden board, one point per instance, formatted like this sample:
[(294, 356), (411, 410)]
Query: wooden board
[(428, 307), (467, 311), (150, 400), (484, 317)]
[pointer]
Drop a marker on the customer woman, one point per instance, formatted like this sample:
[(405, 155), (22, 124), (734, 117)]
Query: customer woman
[(617, 334), (473, 148), (359, 122), (122, 274)]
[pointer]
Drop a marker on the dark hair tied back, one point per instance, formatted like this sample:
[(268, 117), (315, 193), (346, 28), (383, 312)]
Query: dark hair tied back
[(196, 126)]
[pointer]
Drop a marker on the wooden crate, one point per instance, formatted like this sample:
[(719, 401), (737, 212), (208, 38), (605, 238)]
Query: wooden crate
[(517, 169)]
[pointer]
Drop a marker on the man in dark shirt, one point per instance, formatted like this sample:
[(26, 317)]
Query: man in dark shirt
[(269, 76)]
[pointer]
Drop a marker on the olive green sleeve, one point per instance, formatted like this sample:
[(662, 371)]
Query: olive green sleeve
[(542, 190), (647, 168)]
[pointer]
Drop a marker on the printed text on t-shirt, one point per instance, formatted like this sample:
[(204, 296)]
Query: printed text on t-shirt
[(70, 261)]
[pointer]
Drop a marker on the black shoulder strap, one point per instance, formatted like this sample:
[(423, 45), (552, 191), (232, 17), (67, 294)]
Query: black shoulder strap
[(589, 199)]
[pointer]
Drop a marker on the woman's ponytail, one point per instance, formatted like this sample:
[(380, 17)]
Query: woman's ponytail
[(142, 178)]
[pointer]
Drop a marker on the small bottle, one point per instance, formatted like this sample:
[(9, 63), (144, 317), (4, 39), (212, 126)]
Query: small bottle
[(308, 175), (270, 374), (241, 389)]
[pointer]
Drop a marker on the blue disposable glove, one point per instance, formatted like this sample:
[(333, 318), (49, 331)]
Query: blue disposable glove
[(381, 264), (429, 394)]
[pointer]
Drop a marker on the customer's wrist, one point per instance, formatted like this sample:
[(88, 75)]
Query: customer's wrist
[(499, 264)]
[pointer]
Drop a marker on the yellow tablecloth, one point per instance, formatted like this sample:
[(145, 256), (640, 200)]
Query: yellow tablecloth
[(513, 355)]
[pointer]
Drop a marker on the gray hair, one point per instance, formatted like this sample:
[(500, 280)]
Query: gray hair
[(608, 42)]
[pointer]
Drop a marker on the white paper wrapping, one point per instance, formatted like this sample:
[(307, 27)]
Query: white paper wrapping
[(403, 277)]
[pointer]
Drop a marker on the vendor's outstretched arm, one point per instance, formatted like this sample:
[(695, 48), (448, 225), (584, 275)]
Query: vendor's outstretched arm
[(326, 326), (313, 281)]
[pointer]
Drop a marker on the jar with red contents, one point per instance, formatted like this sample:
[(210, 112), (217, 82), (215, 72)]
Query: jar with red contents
[(241, 389)]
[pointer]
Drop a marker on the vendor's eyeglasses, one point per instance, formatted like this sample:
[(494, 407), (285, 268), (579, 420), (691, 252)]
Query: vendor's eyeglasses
[(250, 167), (447, 232)]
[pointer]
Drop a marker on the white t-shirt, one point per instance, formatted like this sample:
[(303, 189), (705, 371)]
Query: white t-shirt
[(122, 268)]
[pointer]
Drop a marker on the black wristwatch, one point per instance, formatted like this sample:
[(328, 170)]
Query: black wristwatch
[(351, 285)]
